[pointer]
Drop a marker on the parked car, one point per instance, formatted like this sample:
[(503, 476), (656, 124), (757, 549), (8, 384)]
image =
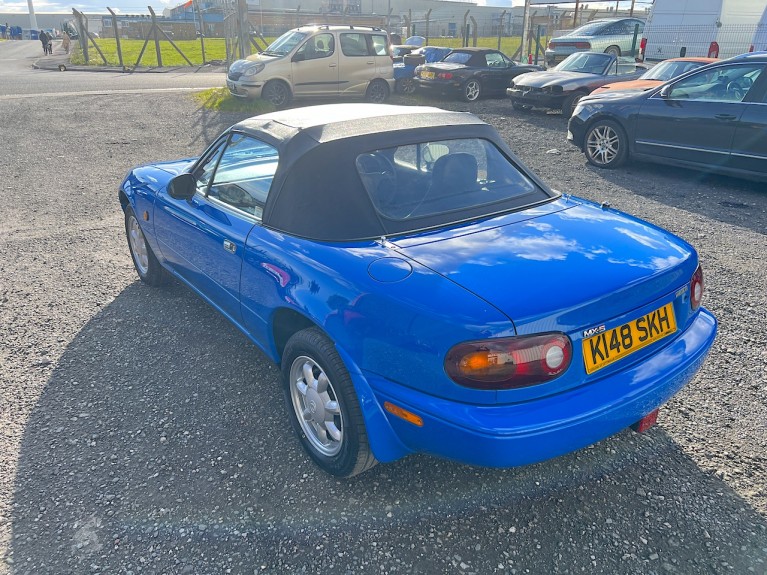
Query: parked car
[(656, 75), (470, 73), (404, 72), (421, 289), (398, 51), (560, 88), (317, 61), (616, 36), (713, 119)]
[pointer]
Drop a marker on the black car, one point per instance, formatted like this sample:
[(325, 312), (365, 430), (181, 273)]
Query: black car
[(471, 73), (713, 118), (560, 88)]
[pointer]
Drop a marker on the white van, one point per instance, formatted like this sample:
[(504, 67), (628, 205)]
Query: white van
[(317, 61), (708, 28), (759, 42)]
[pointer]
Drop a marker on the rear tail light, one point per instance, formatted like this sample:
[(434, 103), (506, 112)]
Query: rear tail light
[(713, 50), (583, 45), (696, 288), (642, 46), (551, 46), (445, 75), (510, 362)]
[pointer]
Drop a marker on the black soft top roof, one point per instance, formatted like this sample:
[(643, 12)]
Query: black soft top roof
[(317, 192)]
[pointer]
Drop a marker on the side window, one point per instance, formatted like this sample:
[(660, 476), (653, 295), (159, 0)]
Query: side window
[(244, 174), (204, 171), (724, 84), (379, 44), (318, 46), (495, 60), (354, 44)]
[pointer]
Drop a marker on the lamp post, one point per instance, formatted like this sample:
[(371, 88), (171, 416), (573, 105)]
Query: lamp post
[(32, 19)]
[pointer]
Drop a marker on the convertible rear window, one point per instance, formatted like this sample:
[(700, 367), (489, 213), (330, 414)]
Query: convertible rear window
[(416, 181)]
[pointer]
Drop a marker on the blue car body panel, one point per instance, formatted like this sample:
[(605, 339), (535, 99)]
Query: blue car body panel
[(395, 306)]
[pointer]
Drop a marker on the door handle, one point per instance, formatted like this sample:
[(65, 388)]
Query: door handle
[(230, 246), (725, 117)]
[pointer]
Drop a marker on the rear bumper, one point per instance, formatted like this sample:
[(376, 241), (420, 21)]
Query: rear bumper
[(440, 87), (524, 433)]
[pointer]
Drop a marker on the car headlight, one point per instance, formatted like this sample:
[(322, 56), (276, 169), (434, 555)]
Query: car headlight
[(254, 69)]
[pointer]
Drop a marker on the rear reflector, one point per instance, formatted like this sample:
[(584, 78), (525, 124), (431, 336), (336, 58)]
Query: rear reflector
[(646, 422)]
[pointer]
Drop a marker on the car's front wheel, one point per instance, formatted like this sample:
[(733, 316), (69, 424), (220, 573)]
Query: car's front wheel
[(472, 89), (277, 92), (568, 106), (606, 144), (323, 405), (147, 266), (377, 92), (613, 51)]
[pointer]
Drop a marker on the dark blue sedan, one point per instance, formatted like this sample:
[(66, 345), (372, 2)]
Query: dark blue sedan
[(421, 289), (713, 119)]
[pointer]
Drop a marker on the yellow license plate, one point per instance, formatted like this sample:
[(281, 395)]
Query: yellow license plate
[(427, 75), (609, 346)]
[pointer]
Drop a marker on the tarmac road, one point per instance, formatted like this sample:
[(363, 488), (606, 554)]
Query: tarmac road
[(141, 433)]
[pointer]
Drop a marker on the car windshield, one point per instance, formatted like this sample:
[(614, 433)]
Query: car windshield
[(457, 57), (585, 62), (667, 70), (285, 43), (415, 181)]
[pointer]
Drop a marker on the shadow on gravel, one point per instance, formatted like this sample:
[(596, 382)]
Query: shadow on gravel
[(161, 444), (741, 203)]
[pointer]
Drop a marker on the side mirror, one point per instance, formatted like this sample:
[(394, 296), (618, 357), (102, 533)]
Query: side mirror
[(298, 57), (665, 92), (182, 187)]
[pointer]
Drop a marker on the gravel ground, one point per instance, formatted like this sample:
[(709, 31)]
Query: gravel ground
[(141, 433)]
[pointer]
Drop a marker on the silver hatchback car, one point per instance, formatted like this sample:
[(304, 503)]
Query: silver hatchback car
[(317, 61)]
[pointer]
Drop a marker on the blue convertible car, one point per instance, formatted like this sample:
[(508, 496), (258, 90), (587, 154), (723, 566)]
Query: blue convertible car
[(420, 288)]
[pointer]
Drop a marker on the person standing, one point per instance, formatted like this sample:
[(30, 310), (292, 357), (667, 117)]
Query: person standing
[(43, 37)]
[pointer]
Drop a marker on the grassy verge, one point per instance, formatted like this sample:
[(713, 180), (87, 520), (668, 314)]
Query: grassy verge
[(220, 99), (215, 50)]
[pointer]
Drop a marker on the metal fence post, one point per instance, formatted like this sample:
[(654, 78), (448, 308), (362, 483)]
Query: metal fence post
[(634, 41), (500, 28), (196, 7), (117, 37), (153, 31)]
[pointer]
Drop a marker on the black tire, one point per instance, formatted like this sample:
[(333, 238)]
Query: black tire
[(471, 90), (323, 406), (568, 106), (277, 92), (606, 144), (147, 267), (518, 106), (377, 92), (613, 50), (405, 86)]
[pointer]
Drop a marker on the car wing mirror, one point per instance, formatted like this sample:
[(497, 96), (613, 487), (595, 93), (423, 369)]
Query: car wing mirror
[(182, 187), (665, 92), (298, 57)]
